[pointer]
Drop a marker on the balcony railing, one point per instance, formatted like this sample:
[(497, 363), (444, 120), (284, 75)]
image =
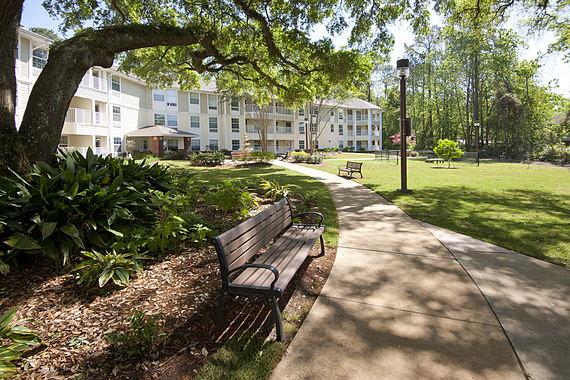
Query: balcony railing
[(284, 130), (270, 109), (95, 83), (79, 116), (349, 118), (252, 129)]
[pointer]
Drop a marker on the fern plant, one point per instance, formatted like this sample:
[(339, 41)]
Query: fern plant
[(101, 268), (144, 332), (276, 191)]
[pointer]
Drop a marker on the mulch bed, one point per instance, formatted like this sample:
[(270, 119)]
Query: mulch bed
[(183, 288)]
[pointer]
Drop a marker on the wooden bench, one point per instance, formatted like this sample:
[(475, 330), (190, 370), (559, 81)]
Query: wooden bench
[(247, 274), (351, 167), (437, 160)]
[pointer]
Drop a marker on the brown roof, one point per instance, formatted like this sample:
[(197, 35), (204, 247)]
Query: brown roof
[(159, 130)]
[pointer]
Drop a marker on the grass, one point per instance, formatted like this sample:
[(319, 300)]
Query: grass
[(521, 207), (244, 357), (203, 176)]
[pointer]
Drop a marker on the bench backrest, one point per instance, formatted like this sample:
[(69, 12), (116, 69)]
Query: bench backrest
[(353, 165), (237, 246)]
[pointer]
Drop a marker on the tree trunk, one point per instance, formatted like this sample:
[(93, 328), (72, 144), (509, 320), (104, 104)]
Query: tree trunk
[(12, 153)]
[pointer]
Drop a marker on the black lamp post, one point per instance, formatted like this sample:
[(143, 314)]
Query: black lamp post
[(476, 123), (403, 67)]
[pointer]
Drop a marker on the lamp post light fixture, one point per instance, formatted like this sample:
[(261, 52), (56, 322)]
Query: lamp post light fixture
[(476, 123), (403, 69)]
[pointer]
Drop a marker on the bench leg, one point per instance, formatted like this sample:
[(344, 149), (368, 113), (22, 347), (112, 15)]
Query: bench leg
[(277, 317), (220, 312), (322, 245)]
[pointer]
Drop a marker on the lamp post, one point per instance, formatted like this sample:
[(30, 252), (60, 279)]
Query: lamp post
[(476, 123), (403, 68), (306, 135)]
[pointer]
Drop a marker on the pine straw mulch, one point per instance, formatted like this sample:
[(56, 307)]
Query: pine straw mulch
[(183, 288)]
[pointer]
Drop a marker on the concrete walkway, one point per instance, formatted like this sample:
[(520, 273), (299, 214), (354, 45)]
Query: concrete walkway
[(407, 300)]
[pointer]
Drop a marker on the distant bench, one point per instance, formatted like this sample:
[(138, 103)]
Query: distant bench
[(264, 277), (437, 160), (351, 167), (236, 155)]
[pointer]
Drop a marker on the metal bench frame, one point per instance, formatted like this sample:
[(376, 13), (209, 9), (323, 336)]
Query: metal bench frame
[(351, 167), (271, 271)]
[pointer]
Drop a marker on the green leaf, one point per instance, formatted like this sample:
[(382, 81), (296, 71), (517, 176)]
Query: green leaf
[(105, 277), (21, 241), (7, 368), (71, 230), (49, 249), (7, 317), (47, 229)]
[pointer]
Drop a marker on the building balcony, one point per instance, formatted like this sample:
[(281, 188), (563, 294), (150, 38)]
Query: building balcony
[(80, 116), (95, 83)]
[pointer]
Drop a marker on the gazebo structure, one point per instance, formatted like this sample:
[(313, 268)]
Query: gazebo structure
[(156, 137)]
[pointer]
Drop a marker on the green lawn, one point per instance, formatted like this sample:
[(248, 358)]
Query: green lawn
[(522, 207), (207, 176)]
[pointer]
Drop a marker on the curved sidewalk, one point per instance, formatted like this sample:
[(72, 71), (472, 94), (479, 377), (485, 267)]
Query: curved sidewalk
[(407, 300)]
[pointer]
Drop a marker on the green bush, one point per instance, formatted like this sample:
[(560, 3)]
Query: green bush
[(262, 156), (176, 155), (207, 158), (558, 154), (231, 197), (307, 158), (14, 339), (144, 155), (144, 333), (75, 204)]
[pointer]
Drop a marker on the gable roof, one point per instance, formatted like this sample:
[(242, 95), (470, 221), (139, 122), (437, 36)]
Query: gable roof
[(159, 130)]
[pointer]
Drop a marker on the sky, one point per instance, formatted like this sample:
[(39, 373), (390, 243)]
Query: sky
[(554, 67)]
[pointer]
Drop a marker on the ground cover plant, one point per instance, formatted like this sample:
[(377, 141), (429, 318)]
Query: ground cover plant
[(159, 322), (517, 206)]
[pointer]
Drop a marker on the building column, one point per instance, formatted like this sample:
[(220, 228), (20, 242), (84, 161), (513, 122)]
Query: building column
[(369, 130)]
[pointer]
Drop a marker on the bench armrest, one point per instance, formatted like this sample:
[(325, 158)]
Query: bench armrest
[(263, 266), (311, 213)]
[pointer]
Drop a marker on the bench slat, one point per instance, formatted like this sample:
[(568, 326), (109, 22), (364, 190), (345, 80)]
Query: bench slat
[(287, 255)]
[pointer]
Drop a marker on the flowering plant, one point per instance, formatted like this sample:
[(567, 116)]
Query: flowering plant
[(396, 140)]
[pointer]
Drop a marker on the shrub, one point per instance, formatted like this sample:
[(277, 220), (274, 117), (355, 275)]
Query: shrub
[(144, 155), (144, 333), (447, 150), (176, 155), (19, 339), (74, 204), (307, 158), (231, 197), (558, 153), (207, 158), (262, 156)]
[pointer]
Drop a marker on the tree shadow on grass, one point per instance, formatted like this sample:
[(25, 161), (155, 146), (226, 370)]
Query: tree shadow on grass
[(527, 221)]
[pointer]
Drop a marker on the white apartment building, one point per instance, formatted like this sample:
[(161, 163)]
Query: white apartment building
[(110, 108)]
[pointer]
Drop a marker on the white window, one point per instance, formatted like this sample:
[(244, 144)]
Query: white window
[(314, 128), (302, 127), (115, 83), (317, 144), (315, 110), (235, 144), (332, 128), (145, 144), (117, 114), (213, 145), (39, 58), (194, 121), (234, 104), (172, 121), (302, 144), (64, 141), (117, 142), (340, 144), (158, 95), (340, 130), (301, 111), (195, 145), (212, 102), (213, 124), (235, 125), (194, 98), (340, 114), (358, 115), (332, 112), (159, 119), (171, 98), (256, 145)]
